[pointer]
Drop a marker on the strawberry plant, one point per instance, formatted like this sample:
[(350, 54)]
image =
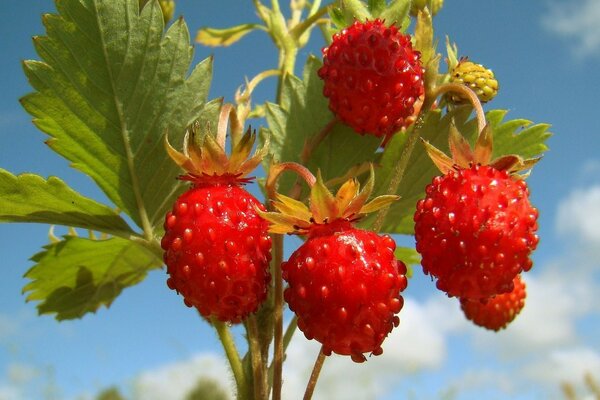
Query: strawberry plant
[(115, 92)]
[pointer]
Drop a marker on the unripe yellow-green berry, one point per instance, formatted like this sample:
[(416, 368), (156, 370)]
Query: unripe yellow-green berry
[(433, 5), (477, 77)]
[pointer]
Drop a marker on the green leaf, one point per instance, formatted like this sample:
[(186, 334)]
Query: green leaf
[(511, 137), (408, 256), (30, 198), (354, 10), (224, 37), (76, 276), (109, 85), (302, 115)]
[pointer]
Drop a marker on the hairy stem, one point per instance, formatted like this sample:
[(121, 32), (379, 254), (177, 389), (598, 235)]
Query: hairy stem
[(233, 356), (278, 318), (258, 363), (314, 376), (467, 92), (287, 338), (312, 143), (400, 168)]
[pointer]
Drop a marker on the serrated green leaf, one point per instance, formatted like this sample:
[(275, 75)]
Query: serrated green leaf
[(303, 114), (31, 198), (518, 136), (109, 85), (511, 137), (224, 37), (76, 276)]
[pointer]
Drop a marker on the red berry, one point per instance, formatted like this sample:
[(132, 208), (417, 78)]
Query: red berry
[(373, 78), (217, 249), (475, 230), (344, 286), (499, 311)]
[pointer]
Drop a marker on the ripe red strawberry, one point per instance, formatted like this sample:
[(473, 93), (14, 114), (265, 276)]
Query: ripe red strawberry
[(373, 78), (475, 231), (344, 282), (217, 248), (475, 228), (499, 311)]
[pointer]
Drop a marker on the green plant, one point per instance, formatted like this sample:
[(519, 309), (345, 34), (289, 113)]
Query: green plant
[(112, 83)]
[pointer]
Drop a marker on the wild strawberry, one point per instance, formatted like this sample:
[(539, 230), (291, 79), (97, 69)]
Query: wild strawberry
[(475, 228), (217, 248), (477, 77), (499, 311), (344, 283), (373, 78)]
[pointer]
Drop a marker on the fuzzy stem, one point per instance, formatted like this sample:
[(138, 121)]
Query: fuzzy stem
[(276, 170), (400, 168), (467, 92), (233, 356), (278, 318), (258, 364), (287, 338), (300, 28), (314, 376)]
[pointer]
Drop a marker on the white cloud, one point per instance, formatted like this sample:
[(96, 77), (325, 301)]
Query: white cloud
[(565, 365), (576, 21), (554, 303), (579, 216), (418, 344), (174, 381)]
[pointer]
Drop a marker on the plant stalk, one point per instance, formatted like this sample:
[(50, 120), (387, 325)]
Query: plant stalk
[(278, 318), (258, 363), (233, 356), (314, 376), (400, 168)]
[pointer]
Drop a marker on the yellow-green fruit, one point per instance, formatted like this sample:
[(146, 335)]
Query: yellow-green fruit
[(480, 79), (433, 5)]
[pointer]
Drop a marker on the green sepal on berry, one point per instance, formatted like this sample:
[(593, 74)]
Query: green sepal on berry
[(463, 156), (349, 203), (205, 155)]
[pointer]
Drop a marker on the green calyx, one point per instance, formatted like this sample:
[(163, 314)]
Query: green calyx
[(207, 156), (463, 155), (349, 203)]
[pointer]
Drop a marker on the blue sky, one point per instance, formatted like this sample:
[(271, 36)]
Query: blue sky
[(545, 55)]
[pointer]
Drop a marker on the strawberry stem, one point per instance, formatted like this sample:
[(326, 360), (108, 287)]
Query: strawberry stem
[(398, 172), (277, 169), (312, 143), (314, 376), (278, 350), (258, 364), (233, 356), (467, 92)]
